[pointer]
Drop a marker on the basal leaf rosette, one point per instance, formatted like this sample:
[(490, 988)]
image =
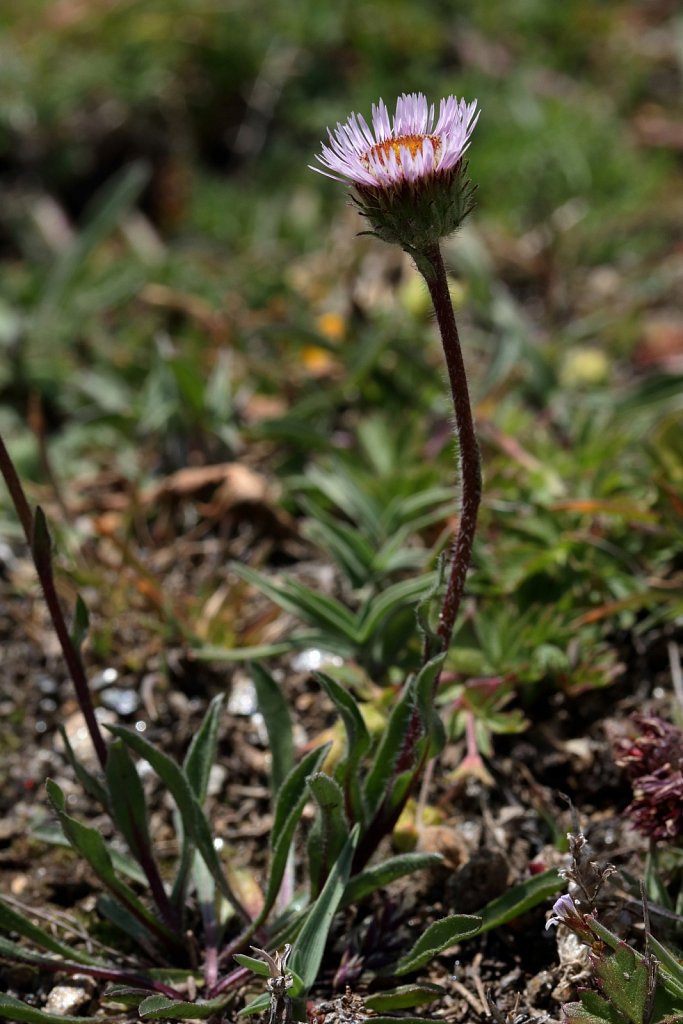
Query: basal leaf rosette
[(408, 173)]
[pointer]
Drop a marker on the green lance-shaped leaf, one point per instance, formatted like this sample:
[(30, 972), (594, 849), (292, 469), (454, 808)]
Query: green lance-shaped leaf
[(16, 1011), (520, 898), (199, 760), (309, 946), (201, 754), (159, 1007), (288, 809), (592, 1009), (81, 623), (91, 784), (41, 545), (303, 602), (123, 863), (11, 921), (91, 846), (424, 696), (384, 768), (626, 982), (357, 745), (275, 711), (394, 597), (122, 919), (379, 875), (439, 936), (330, 829), (351, 551), (194, 821), (404, 997), (128, 806), (261, 968)]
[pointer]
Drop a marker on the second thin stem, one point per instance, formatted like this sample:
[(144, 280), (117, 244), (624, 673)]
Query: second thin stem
[(434, 272)]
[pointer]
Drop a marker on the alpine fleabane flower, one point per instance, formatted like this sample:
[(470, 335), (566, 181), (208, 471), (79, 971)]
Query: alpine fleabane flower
[(408, 174)]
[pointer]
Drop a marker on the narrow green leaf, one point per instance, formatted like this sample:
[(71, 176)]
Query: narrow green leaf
[(259, 967), (91, 784), (159, 1007), (128, 805), (275, 711), (296, 641), (303, 602), (309, 946), (357, 743), (81, 623), (330, 829), (670, 969), (41, 545), (194, 821), (11, 921), (404, 997), (200, 758), (91, 846), (258, 1005), (397, 596), (126, 922), (439, 936), (379, 875), (386, 763), (123, 862), (520, 898), (13, 951), (201, 754), (14, 1010), (288, 809)]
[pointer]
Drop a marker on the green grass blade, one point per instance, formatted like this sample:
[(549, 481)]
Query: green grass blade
[(275, 711), (309, 946)]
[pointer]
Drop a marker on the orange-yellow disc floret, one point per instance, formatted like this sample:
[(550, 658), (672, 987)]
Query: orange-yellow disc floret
[(413, 143)]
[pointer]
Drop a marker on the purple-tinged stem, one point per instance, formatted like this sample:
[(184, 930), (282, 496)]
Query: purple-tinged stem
[(44, 570), (434, 272), (104, 973)]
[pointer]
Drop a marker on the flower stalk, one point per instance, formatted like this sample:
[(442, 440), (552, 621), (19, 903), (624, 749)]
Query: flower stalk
[(434, 272), (410, 183)]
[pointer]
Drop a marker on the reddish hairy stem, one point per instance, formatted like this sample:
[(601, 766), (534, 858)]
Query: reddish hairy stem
[(44, 570), (434, 273)]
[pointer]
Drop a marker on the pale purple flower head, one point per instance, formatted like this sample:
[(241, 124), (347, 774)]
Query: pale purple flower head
[(406, 151), (568, 912)]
